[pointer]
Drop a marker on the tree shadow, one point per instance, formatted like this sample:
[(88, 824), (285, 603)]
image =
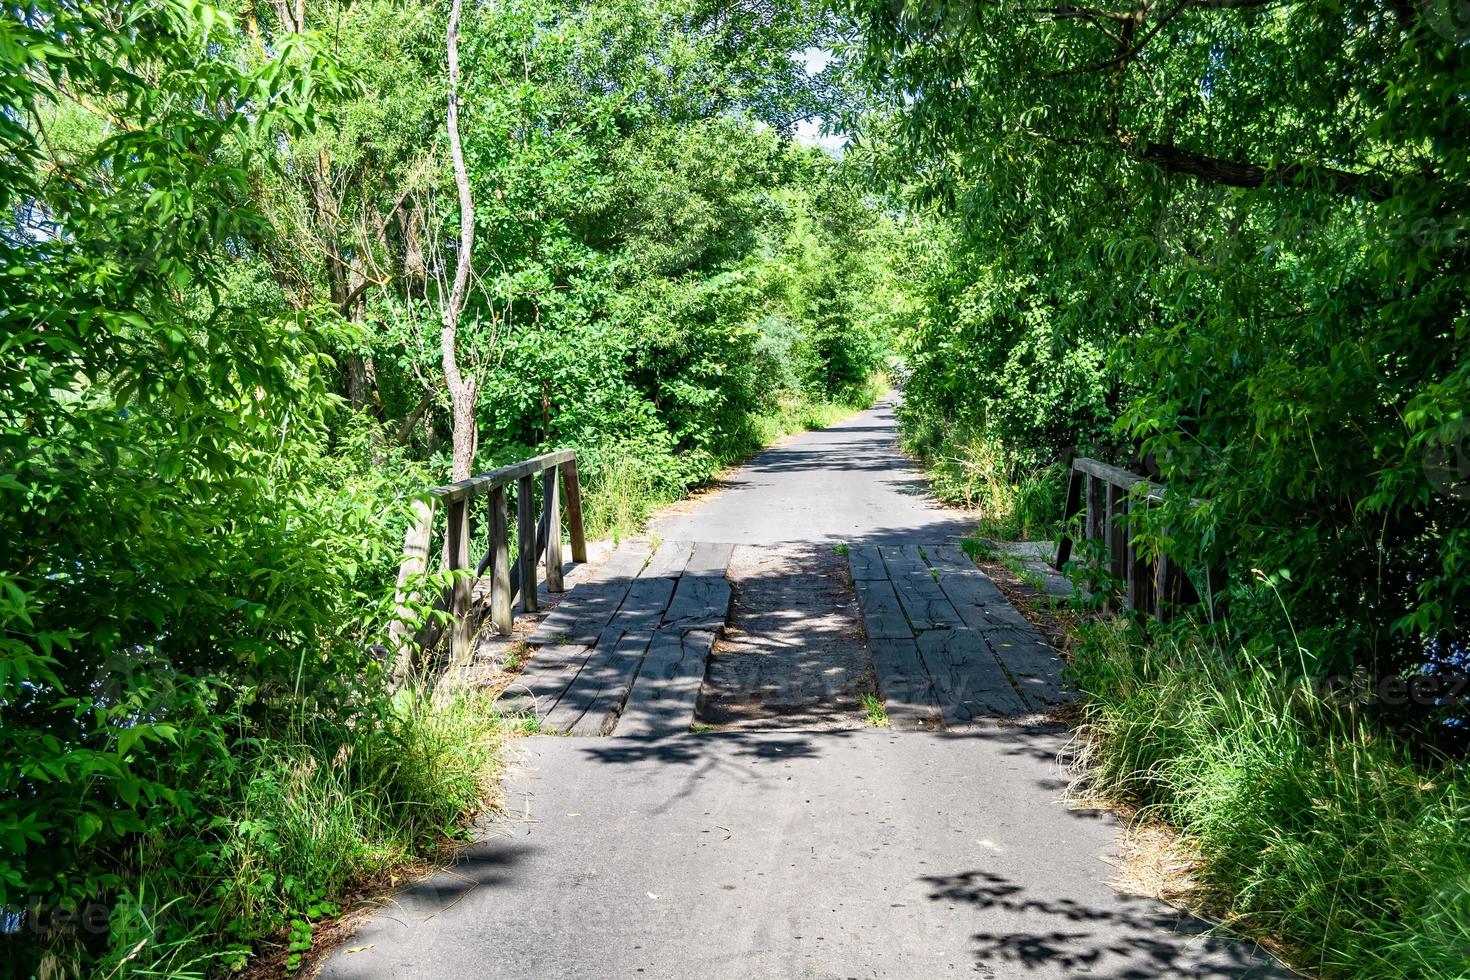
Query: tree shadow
[(1128, 937)]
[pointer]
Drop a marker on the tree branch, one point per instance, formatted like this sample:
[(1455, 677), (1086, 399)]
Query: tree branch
[(405, 428), (1231, 173)]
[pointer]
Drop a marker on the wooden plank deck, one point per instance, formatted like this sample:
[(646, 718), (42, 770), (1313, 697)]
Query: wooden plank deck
[(627, 649), (669, 560), (592, 701), (625, 652), (666, 695), (908, 692), (949, 649)]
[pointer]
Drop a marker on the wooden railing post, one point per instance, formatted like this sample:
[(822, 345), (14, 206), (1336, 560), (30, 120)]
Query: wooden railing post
[(1155, 585), (1096, 504), (526, 532), (1116, 532), (499, 544), (1069, 512), (551, 502), (574, 509), (1164, 587), (409, 635), (457, 551), (1140, 594)]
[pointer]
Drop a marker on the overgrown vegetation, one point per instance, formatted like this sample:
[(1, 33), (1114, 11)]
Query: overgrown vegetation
[(1235, 261), (1314, 828), (228, 236), (232, 348)]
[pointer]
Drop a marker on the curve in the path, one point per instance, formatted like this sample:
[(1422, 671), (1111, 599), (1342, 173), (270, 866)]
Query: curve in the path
[(847, 483)]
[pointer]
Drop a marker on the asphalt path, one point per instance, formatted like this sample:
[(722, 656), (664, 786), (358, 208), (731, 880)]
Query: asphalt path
[(832, 853)]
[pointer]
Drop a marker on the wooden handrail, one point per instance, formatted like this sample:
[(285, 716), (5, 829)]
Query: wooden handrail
[(535, 537), (1156, 585), (503, 476)]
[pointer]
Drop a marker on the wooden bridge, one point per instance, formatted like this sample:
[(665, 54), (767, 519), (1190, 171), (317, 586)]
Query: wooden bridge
[(818, 576), (625, 651)]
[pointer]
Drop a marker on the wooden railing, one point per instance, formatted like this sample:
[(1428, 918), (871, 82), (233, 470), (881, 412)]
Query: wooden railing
[(1105, 496), (537, 538)]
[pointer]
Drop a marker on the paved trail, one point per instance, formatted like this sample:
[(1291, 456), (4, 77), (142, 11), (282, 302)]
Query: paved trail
[(802, 848), (849, 483)]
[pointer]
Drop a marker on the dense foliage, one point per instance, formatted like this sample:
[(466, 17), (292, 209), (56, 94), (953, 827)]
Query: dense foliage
[(1221, 242), (225, 236), (1305, 824), (646, 231)]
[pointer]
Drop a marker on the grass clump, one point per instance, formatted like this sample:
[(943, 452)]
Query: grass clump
[(1315, 829), (877, 714)]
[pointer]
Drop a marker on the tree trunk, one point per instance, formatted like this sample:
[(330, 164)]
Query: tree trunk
[(461, 388)]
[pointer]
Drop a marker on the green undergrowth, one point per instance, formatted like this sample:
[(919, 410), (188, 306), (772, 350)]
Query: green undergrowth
[(877, 714), (1013, 499), (1315, 830), (287, 822)]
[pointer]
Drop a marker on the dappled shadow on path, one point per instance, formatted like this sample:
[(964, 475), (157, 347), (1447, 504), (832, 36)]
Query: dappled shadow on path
[(486, 863), (733, 752), (426, 907), (1126, 937)]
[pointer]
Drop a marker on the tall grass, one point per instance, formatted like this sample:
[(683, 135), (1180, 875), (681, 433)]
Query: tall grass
[(1315, 828), (313, 809), (1013, 500)]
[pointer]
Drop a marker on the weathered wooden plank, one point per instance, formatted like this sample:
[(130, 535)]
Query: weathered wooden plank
[(709, 558), (882, 614), (1111, 475), (1141, 580), (582, 615), (700, 602), (551, 504), (573, 485), (976, 599), (503, 476), (1116, 532), (526, 540), (1096, 509), (592, 701), (499, 556), (643, 608), (865, 562), (623, 564), (1070, 510), (669, 560), (1035, 667), (666, 691), (908, 692), (906, 559), (923, 601), (457, 558), (401, 639), (544, 679), (968, 682)]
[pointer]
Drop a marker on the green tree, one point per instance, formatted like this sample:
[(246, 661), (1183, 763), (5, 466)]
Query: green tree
[(1253, 214)]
